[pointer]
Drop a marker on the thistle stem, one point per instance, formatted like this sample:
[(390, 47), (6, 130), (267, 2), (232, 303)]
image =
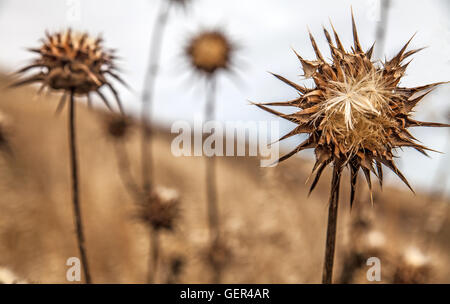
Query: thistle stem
[(148, 93), (125, 174), (382, 27), (327, 275), (154, 256), (75, 190), (211, 191)]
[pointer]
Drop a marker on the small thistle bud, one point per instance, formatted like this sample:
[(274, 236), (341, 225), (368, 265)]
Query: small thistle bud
[(161, 209), (74, 63), (117, 126), (209, 52), (356, 115)]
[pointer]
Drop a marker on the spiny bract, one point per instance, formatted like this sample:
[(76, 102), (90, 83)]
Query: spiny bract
[(209, 52), (356, 114), (74, 63)]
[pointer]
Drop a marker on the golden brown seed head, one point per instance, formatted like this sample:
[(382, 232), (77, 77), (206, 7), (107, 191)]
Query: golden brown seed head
[(161, 209), (357, 114), (73, 62), (209, 52)]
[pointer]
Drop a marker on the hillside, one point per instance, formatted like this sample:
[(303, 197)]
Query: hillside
[(275, 232)]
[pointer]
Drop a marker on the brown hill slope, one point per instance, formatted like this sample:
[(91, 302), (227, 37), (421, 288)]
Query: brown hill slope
[(276, 233)]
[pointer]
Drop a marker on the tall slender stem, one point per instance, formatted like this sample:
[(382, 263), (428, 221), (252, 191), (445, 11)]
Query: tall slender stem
[(211, 191), (382, 27), (125, 173), (154, 257), (75, 190), (211, 186), (148, 93), (327, 275)]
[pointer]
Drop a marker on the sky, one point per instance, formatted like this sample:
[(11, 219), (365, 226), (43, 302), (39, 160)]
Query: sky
[(266, 31)]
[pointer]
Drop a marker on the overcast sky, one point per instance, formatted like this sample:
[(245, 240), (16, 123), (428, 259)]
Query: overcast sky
[(266, 31)]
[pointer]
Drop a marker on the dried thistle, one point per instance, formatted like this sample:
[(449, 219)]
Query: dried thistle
[(356, 116), (161, 209), (78, 65), (209, 52), (73, 62), (218, 255), (413, 268)]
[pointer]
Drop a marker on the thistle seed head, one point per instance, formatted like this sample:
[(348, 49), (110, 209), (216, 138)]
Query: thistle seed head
[(356, 115), (209, 52), (74, 63), (161, 209)]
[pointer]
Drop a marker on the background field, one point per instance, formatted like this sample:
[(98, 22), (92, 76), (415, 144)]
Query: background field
[(275, 232)]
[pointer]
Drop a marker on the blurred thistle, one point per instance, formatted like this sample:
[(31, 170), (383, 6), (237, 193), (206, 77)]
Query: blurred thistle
[(218, 256), (355, 117), (77, 65), (176, 267), (414, 267), (159, 210), (209, 52), (117, 126)]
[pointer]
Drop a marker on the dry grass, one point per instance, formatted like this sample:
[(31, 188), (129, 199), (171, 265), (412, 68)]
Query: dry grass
[(272, 240)]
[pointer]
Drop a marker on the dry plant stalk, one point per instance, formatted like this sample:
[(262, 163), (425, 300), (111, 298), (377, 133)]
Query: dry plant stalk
[(149, 88), (208, 53), (159, 209), (355, 117), (77, 65)]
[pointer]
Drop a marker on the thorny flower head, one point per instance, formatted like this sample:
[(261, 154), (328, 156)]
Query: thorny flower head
[(357, 114), (209, 52), (73, 63), (160, 209)]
